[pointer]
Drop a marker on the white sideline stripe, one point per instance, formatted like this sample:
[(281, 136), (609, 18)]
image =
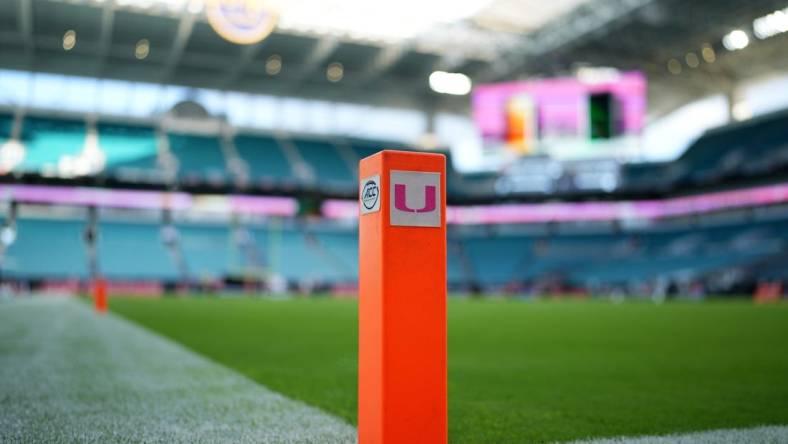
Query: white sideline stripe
[(755, 435), (68, 375)]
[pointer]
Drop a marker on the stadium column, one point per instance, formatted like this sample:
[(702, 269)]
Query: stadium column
[(402, 299)]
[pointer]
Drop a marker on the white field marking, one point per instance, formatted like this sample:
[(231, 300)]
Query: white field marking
[(68, 375), (755, 435)]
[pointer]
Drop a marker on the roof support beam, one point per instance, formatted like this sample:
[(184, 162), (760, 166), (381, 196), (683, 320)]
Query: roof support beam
[(248, 54), (182, 35), (588, 19), (25, 24), (105, 36), (319, 54), (386, 58)]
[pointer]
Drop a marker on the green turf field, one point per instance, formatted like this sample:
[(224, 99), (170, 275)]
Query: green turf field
[(519, 371)]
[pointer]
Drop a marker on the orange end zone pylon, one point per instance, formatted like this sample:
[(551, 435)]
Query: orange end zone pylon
[(402, 392), (100, 295)]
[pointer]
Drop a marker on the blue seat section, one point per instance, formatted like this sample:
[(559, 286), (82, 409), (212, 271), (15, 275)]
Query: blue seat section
[(134, 251), (199, 157), (644, 177), (208, 250), (364, 149), (252, 255), (328, 254), (340, 249), (497, 260), (454, 268), (326, 162), (6, 124), (746, 148), (264, 158), (609, 258), (47, 140), (47, 249), (127, 146), (317, 257), (212, 252)]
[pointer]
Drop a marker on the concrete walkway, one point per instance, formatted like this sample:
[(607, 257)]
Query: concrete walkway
[(68, 375), (755, 435)]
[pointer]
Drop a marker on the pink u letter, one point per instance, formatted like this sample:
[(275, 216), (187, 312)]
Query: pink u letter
[(429, 199)]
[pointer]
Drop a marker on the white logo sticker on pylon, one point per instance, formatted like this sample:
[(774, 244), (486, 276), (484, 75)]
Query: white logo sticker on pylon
[(369, 194), (415, 198)]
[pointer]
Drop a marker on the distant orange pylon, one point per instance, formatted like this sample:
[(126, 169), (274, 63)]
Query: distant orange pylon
[(100, 295)]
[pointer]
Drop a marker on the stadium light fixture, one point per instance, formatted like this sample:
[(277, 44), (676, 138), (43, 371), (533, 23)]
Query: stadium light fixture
[(196, 6), (597, 75), (708, 53), (771, 25), (736, 40), (382, 20), (335, 72), (692, 60), (273, 65), (142, 49), (674, 66), (242, 22), (453, 83), (69, 40), (741, 111)]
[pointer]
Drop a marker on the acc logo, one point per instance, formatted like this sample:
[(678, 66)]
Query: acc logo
[(241, 21), (415, 199), (370, 194)]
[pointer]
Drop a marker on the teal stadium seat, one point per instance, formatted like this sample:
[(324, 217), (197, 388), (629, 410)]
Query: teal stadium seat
[(134, 251), (128, 147), (47, 249), (298, 260), (455, 273), (207, 249), (264, 158), (340, 248), (47, 140), (326, 162), (497, 260), (320, 257), (199, 157), (6, 125)]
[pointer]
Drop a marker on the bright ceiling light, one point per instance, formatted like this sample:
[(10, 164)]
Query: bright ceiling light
[(373, 20), (69, 40), (741, 111), (692, 60), (273, 65), (243, 22), (709, 55), (735, 40), (454, 83), (142, 49), (674, 66), (771, 25), (335, 72), (596, 75), (196, 6)]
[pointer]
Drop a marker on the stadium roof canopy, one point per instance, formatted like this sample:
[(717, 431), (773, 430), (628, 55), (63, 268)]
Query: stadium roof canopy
[(387, 49)]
